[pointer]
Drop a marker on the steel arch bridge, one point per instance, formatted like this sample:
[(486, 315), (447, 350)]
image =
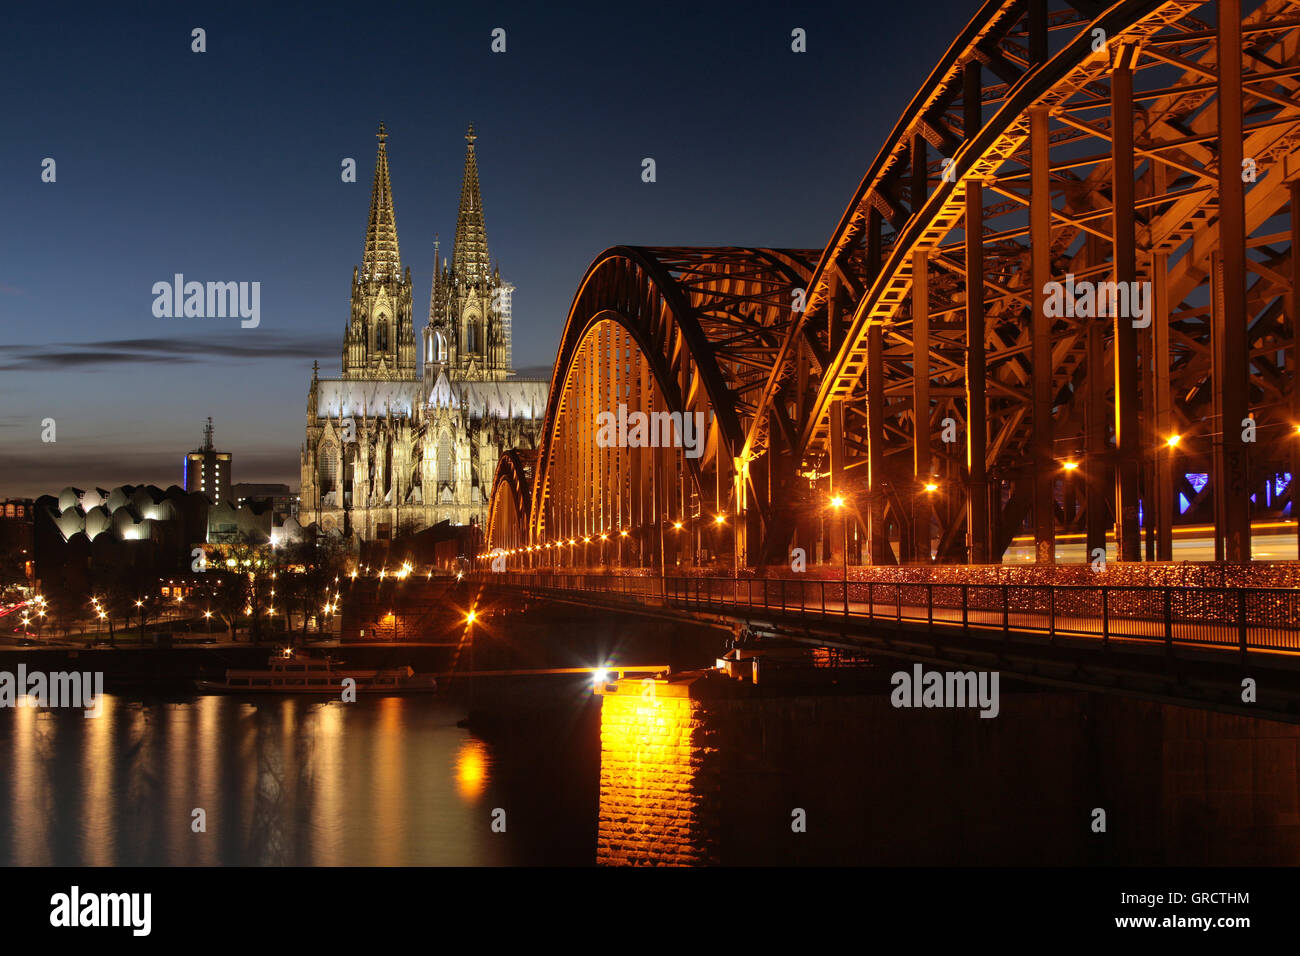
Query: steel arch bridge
[(1062, 300)]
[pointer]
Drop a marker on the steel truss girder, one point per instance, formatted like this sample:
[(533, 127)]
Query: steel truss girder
[(717, 329), (1177, 221), (706, 323)]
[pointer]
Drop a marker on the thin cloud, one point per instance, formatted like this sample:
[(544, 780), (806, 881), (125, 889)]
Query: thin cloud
[(57, 355)]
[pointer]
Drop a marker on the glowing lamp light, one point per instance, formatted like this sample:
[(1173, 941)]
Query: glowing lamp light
[(1070, 465), (931, 487), (469, 618), (600, 676), (623, 534), (1173, 440), (719, 519), (604, 537), (677, 525), (837, 501)]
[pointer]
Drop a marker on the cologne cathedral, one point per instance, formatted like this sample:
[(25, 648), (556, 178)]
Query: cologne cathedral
[(394, 447)]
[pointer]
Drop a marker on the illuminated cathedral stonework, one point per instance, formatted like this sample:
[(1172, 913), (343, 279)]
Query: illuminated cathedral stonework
[(392, 449)]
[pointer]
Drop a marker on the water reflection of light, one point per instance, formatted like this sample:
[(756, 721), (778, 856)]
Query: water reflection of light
[(100, 800), (471, 769), (29, 791), (329, 783), (388, 778), (650, 757), (205, 738)]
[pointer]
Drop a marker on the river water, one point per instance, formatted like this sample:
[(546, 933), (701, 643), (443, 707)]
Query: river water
[(388, 781), (396, 781)]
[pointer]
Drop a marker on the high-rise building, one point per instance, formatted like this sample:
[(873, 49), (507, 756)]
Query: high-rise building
[(390, 449), (207, 470)]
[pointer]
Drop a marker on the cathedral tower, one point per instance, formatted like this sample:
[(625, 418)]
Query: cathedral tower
[(468, 330), (379, 341)]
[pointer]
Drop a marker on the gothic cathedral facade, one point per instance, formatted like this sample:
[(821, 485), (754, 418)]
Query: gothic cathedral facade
[(393, 448)]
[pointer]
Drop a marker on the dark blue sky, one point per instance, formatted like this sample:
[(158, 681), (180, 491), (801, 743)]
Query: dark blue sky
[(224, 166)]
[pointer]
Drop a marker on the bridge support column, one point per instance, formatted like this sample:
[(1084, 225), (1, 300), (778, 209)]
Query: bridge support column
[(921, 510), (1293, 312), (877, 530), (1231, 371), (977, 494), (838, 523), (1127, 439), (1097, 466), (1164, 491), (743, 516), (1040, 250)]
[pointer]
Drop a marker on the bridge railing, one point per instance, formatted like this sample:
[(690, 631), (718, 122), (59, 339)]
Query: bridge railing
[(1212, 617)]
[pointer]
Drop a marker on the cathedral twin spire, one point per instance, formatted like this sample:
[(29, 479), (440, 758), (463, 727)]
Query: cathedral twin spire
[(467, 327), (382, 259), (379, 343), (470, 253)]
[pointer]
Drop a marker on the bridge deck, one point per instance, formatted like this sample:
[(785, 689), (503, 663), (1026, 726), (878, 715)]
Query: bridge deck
[(1232, 619)]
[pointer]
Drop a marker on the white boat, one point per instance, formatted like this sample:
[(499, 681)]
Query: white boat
[(290, 673)]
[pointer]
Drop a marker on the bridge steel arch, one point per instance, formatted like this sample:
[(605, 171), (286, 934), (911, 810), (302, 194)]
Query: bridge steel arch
[(947, 382), (511, 499), (684, 332), (1004, 169)]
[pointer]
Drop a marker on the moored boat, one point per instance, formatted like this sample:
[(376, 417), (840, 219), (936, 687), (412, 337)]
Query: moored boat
[(292, 673)]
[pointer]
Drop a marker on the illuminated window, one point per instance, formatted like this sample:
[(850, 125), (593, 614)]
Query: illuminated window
[(328, 469)]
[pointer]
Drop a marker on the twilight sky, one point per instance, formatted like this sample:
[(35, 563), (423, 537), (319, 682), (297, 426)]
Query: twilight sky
[(225, 166)]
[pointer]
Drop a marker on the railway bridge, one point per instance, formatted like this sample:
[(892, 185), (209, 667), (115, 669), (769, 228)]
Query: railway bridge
[(1055, 327)]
